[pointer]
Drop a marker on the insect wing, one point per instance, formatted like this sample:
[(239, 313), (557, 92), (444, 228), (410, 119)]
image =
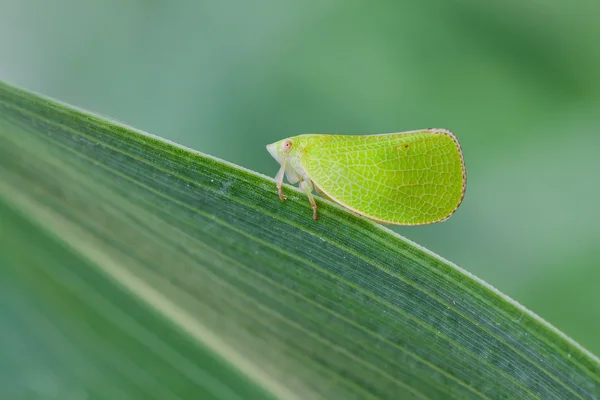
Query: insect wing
[(408, 178)]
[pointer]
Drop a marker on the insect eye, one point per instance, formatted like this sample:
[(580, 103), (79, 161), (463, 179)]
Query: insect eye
[(286, 145)]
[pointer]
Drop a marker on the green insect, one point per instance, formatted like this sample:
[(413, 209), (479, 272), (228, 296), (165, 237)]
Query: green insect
[(406, 178)]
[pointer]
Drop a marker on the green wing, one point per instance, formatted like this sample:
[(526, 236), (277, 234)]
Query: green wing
[(407, 178)]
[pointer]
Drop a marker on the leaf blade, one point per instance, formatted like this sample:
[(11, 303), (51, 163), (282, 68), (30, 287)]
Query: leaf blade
[(301, 308)]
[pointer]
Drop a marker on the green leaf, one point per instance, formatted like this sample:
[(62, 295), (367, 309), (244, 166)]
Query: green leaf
[(132, 267)]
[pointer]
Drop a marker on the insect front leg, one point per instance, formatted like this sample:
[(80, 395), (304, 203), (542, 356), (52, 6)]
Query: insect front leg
[(279, 180), (308, 187)]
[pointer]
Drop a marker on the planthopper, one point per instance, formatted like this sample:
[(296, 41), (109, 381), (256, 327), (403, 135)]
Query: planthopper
[(406, 178)]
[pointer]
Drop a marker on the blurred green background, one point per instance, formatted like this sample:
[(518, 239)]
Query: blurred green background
[(518, 82)]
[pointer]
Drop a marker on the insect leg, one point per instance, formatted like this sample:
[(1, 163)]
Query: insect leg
[(279, 180), (308, 187)]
